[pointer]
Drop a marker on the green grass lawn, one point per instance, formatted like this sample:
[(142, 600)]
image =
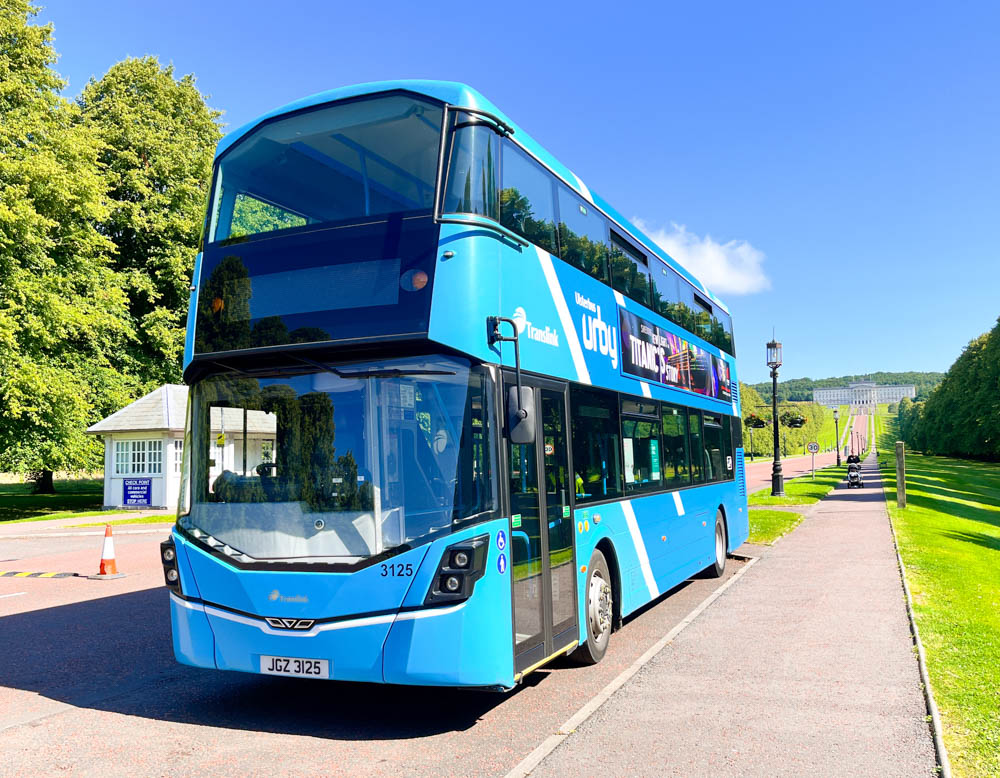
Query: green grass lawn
[(803, 490), (767, 526), (72, 498), (949, 538), (827, 436)]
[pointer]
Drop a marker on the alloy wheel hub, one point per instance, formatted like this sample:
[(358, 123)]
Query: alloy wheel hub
[(600, 608)]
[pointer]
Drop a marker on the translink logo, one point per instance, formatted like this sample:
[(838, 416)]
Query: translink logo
[(524, 327)]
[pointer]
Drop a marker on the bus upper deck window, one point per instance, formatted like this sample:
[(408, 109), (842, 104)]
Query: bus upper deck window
[(472, 185)]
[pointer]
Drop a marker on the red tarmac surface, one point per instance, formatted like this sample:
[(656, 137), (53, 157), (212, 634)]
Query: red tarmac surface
[(105, 690)]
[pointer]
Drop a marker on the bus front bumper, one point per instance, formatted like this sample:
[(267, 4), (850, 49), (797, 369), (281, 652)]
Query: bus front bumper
[(464, 644)]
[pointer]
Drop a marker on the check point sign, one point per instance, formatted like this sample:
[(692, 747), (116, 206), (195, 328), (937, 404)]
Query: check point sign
[(137, 491)]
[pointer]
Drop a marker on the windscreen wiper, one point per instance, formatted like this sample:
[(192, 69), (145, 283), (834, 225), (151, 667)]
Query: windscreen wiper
[(394, 372)]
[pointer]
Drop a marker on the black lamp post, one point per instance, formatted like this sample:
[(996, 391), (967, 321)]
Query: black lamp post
[(774, 362), (836, 426)]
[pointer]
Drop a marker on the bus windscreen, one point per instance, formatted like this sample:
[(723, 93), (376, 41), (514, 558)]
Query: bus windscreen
[(348, 161), (339, 465)]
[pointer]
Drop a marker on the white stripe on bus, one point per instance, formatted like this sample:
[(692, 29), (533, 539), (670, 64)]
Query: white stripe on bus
[(582, 373), (619, 298), (583, 188), (364, 621), (645, 389), (640, 549), (678, 504)]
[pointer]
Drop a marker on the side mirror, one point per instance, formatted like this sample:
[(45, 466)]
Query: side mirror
[(521, 415)]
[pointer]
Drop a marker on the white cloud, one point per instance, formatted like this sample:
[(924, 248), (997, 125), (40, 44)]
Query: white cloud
[(734, 267)]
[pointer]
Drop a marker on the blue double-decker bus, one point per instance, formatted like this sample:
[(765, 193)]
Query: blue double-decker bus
[(450, 415)]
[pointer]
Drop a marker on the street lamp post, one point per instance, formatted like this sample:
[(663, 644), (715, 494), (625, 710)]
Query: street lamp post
[(774, 362), (836, 425), (751, 443)]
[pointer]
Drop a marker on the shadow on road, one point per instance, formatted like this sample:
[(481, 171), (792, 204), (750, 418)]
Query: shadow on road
[(114, 654)]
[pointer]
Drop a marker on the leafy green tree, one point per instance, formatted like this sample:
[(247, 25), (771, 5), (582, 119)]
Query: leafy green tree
[(961, 417), (253, 217), (158, 139), (753, 404), (63, 313)]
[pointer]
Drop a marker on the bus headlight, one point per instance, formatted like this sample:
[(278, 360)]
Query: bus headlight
[(461, 565), (168, 557)]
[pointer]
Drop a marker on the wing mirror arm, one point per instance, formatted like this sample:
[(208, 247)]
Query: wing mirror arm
[(520, 404)]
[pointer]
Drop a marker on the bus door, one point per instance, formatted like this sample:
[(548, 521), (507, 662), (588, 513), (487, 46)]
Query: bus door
[(542, 549)]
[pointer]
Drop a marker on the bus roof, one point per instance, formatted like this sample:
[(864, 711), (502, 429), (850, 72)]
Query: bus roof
[(462, 95)]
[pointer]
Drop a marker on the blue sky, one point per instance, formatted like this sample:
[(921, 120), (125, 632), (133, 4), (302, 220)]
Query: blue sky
[(830, 171)]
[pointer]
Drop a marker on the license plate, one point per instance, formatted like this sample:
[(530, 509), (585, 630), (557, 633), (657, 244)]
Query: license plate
[(295, 666)]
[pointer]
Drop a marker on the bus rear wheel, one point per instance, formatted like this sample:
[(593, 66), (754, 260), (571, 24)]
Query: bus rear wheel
[(718, 567), (599, 612)]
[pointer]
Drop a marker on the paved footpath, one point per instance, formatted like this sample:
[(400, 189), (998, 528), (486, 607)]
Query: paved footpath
[(804, 667)]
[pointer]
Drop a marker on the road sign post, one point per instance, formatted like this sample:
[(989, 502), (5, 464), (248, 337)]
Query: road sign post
[(813, 448)]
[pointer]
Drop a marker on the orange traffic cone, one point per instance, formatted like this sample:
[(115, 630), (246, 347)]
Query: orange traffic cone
[(108, 568)]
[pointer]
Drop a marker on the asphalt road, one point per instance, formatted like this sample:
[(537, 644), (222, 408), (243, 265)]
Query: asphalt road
[(89, 685)]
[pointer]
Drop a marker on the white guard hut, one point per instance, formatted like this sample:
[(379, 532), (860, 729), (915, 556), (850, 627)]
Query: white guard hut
[(143, 450), (144, 447)]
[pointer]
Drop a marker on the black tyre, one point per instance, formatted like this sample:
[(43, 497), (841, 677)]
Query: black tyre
[(718, 567), (600, 611)]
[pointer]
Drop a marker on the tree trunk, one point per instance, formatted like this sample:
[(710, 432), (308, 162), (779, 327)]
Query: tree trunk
[(44, 483)]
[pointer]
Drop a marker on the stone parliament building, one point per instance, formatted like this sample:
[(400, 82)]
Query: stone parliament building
[(862, 394)]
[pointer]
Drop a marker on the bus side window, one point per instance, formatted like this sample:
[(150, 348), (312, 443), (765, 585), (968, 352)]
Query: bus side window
[(702, 323), (723, 331), (715, 446), (641, 445), (582, 235), (728, 453), (629, 270), (666, 293), (527, 198), (472, 170), (697, 446), (596, 447), (676, 462)]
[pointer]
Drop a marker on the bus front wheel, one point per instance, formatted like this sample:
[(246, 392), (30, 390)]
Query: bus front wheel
[(600, 611)]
